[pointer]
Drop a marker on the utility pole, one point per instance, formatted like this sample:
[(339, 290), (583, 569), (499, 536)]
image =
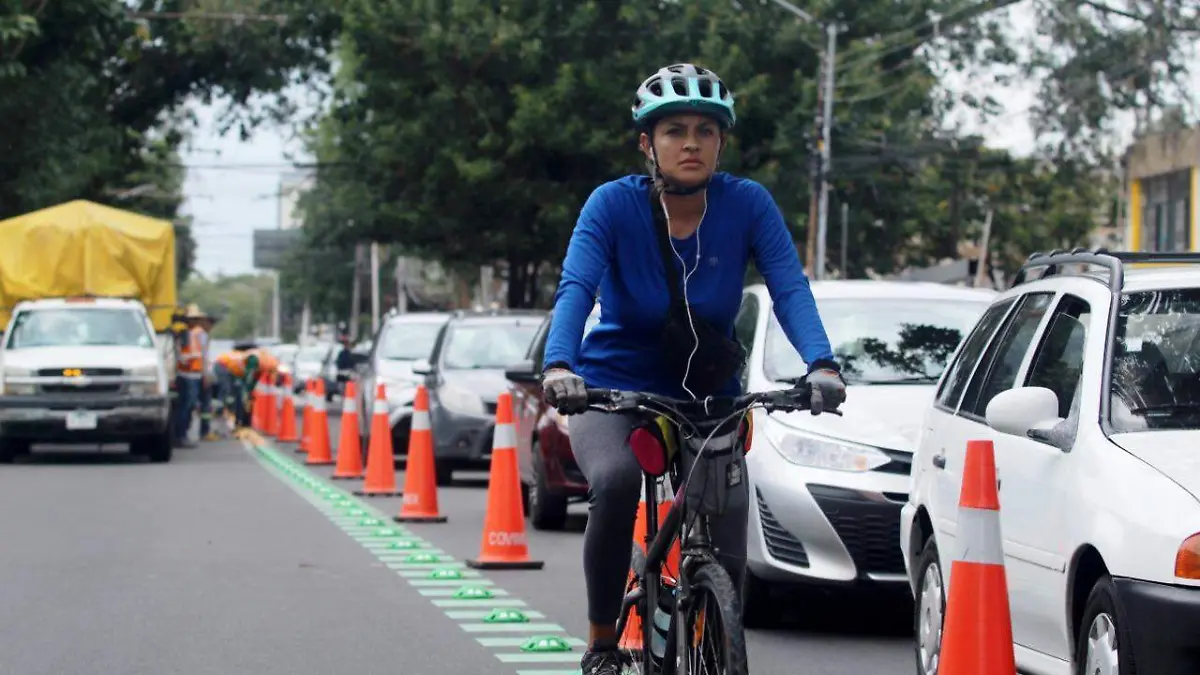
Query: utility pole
[(374, 287), (814, 180), (845, 239), (354, 293), (831, 31)]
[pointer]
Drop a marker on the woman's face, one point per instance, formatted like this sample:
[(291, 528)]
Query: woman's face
[(688, 147)]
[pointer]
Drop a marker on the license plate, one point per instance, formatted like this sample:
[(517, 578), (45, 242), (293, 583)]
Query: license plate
[(81, 420)]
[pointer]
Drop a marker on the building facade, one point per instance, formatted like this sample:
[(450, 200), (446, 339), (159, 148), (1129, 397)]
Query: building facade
[(1163, 170)]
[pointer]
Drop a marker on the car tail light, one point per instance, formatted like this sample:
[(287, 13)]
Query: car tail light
[(1187, 560), (649, 451)]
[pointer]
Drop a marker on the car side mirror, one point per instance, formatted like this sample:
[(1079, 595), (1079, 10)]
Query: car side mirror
[(522, 371), (1028, 412), (422, 367)]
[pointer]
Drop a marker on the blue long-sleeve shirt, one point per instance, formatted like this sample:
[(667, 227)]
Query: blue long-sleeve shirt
[(614, 251)]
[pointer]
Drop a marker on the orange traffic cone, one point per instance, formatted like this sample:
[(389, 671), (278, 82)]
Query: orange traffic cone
[(381, 463), (318, 438), (977, 635), (271, 406), (306, 417), (256, 406), (420, 477), (631, 637), (349, 453), (504, 545), (287, 413)]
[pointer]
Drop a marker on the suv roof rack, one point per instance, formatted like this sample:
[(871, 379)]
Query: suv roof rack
[(1114, 261)]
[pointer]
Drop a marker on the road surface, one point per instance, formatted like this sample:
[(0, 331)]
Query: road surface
[(238, 560)]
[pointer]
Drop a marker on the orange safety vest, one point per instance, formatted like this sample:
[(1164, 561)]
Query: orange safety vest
[(234, 362), (266, 362), (191, 357)]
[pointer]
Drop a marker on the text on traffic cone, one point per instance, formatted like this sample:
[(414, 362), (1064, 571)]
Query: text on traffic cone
[(380, 480), (349, 452), (504, 544), (977, 634), (420, 476)]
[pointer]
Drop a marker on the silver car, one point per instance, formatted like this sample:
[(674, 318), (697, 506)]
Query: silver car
[(827, 490), (402, 340)]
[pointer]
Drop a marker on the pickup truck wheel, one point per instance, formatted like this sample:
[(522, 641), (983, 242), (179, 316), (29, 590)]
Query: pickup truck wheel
[(11, 448), (157, 449)]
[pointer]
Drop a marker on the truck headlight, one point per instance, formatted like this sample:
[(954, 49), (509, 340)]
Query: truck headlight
[(822, 452), (11, 388), (462, 401), (146, 386)]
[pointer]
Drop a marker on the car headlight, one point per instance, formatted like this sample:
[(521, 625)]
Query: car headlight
[(150, 384), (822, 452), (18, 388), (462, 401)]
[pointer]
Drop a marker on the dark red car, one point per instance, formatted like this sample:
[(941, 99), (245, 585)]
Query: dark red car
[(550, 478)]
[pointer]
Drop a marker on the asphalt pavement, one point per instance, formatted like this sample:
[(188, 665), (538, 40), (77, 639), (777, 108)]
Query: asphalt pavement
[(235, 559)]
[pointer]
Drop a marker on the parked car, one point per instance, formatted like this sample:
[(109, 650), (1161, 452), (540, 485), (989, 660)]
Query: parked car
[(550, 478), (1089, 387), (827, 490), (307, 363), (465, 376), (403, 339)]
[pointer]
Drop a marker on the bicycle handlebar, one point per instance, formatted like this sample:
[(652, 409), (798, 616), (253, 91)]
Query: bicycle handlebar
[(614, 400)]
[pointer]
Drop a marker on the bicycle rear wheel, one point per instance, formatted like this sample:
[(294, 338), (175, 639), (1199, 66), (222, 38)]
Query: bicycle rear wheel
[(711, 630)]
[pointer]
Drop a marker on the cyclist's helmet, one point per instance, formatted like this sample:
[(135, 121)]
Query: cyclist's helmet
[(683, 88)]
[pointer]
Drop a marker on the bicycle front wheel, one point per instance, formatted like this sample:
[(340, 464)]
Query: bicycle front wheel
[(711, 630)]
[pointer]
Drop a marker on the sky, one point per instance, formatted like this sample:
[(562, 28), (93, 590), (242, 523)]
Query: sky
[(232, 186)]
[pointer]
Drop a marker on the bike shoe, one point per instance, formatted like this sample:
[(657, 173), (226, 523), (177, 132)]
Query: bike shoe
[(602, 662)]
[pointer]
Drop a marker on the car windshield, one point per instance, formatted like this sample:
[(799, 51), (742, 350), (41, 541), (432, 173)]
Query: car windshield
[(315, 354), (488, 345), (408, 341), (880, 341), (78, 327), (1156, 365)]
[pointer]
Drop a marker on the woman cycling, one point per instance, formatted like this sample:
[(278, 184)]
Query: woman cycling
[(652, 339)]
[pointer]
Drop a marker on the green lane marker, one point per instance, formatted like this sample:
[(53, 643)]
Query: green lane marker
[(567, 643), (403, 544), (512, 628), (387, 532), (435, 583), (355, 512), (545, 643), (421, 558), (498, 602), (344, 503), (481, 614), (445, 573), (426, 572), (499, 615), (370, 522)]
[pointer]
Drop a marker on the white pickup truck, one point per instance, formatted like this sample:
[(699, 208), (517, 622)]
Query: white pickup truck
[(83, 370)]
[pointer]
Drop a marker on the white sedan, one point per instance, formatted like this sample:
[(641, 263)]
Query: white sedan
[(827, 490)]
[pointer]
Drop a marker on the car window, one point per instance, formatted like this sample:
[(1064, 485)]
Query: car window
[(407, 340), (79, 327), (1156, 361), (490, 345), (968, 356), (1058, 362), (997, 371), (537, 351)]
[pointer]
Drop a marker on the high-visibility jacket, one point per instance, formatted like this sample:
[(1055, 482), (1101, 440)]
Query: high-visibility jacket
[(234, 362), (191, 356), (267, 363)]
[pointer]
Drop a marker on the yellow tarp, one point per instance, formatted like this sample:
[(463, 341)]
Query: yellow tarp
[(83, 248)]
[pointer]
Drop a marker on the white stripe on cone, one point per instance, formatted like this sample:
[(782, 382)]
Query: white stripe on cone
[(318, 404), (349, 405), (420, 420), (380, 407), (979, 536), (505, 436)]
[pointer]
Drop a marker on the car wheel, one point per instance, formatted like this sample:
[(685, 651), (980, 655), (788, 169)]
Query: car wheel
[(11, 448), (157, 449), (758, 608), (547, 511), (444, 473), (1102, 646), (929, 610)]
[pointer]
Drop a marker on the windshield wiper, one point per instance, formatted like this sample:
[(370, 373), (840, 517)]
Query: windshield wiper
[(1167, 408), (916, 379)]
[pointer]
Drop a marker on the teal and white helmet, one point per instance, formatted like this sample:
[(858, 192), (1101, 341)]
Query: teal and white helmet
[(683, 88)]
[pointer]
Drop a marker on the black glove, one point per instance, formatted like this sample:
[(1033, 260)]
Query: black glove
[(827, 390), (565, 391)]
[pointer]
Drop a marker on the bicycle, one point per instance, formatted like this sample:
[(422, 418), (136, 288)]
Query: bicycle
[(695, 425)]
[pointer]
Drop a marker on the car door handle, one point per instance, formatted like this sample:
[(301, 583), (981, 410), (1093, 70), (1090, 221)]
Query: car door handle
[(939, 461)]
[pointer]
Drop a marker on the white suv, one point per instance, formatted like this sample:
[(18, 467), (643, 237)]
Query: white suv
[(1089, 386)]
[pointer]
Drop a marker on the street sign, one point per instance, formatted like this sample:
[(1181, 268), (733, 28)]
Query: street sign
[(270, 247)]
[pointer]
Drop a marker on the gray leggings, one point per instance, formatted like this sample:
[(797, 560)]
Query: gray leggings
[(599, 442)]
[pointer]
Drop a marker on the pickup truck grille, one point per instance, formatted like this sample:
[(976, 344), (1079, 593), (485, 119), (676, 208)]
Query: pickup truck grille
[(89, 388), (87, 372)]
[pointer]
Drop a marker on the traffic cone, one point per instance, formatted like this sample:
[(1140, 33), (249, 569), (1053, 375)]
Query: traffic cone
[(258, 418), (271, 407), (318, 439), (631, 637), (381, 463), (287, 413), (306, 417), (504, 544), (420, 477), (977, 634), (349, 453)]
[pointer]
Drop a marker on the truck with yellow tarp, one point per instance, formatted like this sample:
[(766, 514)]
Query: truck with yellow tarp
[(87, 294)]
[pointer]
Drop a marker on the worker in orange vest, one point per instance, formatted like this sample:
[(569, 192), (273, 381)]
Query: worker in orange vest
[(259, 362), (229, 370), (190, 368)]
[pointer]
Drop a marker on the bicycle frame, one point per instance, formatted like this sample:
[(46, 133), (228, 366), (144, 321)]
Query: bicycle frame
[(695, 548)]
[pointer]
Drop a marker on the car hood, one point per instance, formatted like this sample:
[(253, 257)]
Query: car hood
[(307, 366), (99, 356), (488, 383), (1173, 453), (396, 371), (880, 415)]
